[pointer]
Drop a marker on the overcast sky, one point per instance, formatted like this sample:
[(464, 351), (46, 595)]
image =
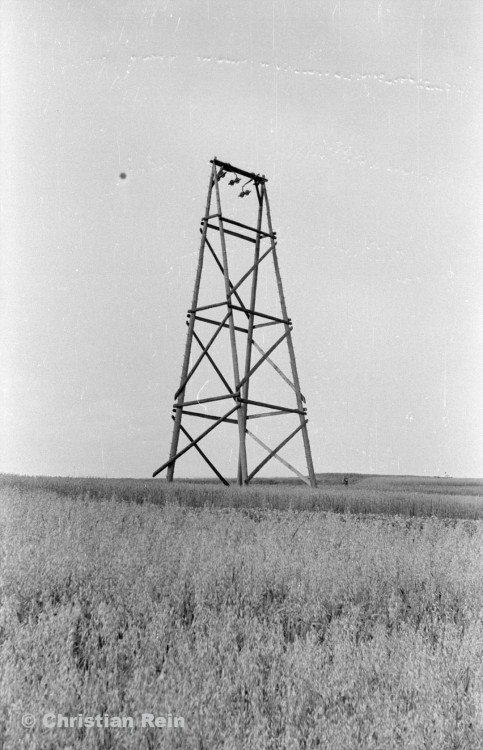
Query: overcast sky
[(366, 118)]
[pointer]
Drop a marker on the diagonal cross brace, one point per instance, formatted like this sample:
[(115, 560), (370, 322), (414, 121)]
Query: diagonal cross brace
[(193, 443), (251, 270), (200, 358), (265, 356), (275, 450), (279, 458), (204, 456), (212, 362), (276, 368), (245, 310)]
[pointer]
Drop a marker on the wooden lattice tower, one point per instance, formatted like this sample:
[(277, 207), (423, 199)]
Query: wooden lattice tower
[(239, 321)]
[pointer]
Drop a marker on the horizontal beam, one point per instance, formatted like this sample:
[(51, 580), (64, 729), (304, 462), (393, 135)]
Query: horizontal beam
[(235, 234), (230, 168), (260, 315), (216, 322), (205, 400), (268, 406), (208, 416), (206, 307), (268, 323), (246, 226), (267, 414)]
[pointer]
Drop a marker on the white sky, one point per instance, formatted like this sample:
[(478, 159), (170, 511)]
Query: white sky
[(366, 117)]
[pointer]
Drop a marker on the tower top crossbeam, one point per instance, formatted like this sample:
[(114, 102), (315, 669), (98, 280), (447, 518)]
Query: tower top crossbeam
[(258, 179)]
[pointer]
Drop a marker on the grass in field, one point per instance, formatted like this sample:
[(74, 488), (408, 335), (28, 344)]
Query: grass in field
[(410, 496), (262, 628)]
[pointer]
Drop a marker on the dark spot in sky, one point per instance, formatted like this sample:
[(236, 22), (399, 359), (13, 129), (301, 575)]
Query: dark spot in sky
[(123, 175)]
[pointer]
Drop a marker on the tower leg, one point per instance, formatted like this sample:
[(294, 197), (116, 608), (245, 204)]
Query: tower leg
[(189, 336), (300, 405), (251, 316), (243, 469)]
